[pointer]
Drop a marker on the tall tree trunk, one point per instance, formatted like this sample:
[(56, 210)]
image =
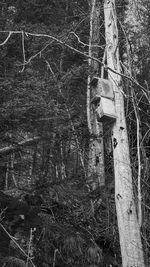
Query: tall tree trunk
[(129, 229), (96, 176)]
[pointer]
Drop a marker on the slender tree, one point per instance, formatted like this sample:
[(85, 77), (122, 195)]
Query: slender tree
[(96, 153), (129, 229)]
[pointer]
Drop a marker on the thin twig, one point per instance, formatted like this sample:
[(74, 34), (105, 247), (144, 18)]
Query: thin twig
[(9, 149), (6, 40), (88, 56), (23, 52), (37, 54), (54, 260), (103, 61), (145, 136), (81, 53), (139, 161), (12, 169), (84, 44), (30, 252)]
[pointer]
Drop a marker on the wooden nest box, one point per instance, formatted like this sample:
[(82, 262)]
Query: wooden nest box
[(103, 99)]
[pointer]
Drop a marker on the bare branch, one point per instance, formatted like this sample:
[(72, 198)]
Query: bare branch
[(88, 56), (139, 160), (23, 52), (12, 169), (103, 61), (6, 40), (30, 252), (9, 149), (37, 54), (49, 66), (54, 260), (81, 53), (100, 46)]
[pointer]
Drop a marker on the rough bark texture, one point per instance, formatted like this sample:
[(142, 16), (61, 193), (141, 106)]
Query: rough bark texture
[(129, 230), (96, 153)]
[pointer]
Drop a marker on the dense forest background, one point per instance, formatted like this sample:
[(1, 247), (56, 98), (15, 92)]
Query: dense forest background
[(49, 215)]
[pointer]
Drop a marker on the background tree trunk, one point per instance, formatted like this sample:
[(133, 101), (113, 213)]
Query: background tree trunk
[(96, 175)]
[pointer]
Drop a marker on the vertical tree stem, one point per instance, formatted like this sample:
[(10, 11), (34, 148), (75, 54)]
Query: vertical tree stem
[(139, 161), (89, 63)]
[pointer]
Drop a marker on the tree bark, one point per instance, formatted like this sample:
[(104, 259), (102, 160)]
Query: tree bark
[(96, 175), (129, 229)]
